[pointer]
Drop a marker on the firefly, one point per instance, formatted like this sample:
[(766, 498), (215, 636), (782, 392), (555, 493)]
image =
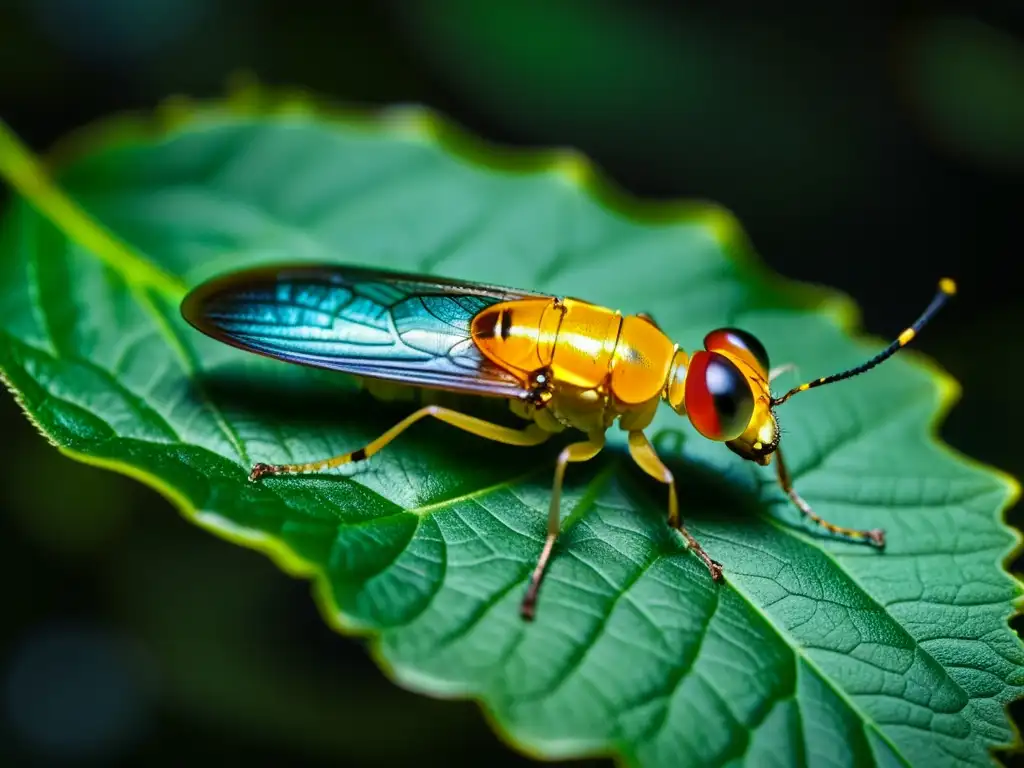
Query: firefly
[(561, 363)]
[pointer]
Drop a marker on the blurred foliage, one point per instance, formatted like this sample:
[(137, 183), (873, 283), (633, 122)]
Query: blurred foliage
[(40, 506), (779, 102), (638, 83), (926, 182), (966, 81)]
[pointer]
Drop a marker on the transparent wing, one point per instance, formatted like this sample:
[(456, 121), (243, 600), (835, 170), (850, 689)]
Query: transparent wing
[(406, 328)]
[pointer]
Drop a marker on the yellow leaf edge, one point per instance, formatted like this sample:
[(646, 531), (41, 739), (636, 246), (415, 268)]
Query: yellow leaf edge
[(246, 98)]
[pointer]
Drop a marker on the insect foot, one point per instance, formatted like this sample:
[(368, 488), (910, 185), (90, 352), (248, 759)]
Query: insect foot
[(876, 536), (259, 470)]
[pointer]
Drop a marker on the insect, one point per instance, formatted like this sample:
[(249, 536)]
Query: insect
[(562, 363)]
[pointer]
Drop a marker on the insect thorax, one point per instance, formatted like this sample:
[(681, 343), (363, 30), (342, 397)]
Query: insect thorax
[(579, 345), (585, 364)]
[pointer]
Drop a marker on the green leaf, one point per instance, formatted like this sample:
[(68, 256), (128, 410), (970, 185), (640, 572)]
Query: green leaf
[(813, 650)]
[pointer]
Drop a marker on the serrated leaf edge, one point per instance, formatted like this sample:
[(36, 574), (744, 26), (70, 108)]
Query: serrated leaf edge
[(248, 99)]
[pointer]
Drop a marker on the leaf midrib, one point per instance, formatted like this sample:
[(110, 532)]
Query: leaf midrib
[(26, 175)]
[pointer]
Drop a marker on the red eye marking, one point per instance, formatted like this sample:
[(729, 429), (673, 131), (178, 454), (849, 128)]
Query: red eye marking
[(700, 404), (717, 396)]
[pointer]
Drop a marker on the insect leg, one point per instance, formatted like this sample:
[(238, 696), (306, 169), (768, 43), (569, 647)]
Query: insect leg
[(529, 435), (581, 451), (647, 459), (875, 537)]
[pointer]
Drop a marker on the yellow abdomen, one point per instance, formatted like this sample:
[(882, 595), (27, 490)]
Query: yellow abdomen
[(579, 345)]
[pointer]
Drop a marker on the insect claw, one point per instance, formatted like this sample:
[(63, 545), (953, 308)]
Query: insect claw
[(716, 570), (876, 536), (259, 470)]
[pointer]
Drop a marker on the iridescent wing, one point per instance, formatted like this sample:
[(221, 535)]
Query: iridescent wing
[(411, 329)]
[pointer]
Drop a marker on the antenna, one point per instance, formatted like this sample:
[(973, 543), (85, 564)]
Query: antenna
[(947, 288)]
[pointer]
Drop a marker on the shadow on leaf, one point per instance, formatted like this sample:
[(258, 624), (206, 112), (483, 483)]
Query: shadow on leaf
[(338, 402)]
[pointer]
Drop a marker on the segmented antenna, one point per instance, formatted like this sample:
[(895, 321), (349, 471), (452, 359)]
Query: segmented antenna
[(947, 288)]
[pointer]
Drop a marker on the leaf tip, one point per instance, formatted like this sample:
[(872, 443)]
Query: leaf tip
[(411, 122), (721, 223), (573, 167)]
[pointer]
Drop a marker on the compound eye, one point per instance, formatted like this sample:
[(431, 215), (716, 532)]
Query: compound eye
[(741, 344), (718, 398)]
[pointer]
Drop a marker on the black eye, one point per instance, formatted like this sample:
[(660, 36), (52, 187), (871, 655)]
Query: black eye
[(739, 343), (718, 397)]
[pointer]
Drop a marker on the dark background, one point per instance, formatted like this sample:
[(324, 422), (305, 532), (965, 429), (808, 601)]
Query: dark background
[(870, 150)]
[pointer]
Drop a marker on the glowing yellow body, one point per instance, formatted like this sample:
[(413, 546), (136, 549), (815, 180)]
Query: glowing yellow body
[(597, 365)]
